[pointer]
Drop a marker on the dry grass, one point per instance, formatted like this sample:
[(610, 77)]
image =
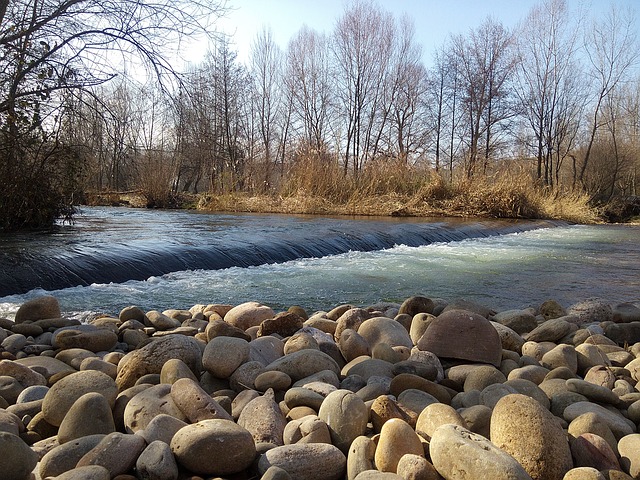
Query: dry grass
[(400, 190)]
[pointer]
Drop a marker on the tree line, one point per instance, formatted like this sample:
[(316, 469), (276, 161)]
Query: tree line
[(558, 95)]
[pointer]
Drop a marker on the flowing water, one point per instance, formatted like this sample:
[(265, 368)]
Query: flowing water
[(114, 257)]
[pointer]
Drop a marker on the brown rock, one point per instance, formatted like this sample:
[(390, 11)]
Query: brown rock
[(40, 308)]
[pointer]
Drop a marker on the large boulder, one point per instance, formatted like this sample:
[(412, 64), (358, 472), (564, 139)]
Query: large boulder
[(40, 308), (462, 335)]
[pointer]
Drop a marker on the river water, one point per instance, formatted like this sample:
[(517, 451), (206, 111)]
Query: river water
[(114, 257)]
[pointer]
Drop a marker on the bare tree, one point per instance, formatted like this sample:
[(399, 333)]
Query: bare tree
[(49, 47), (485, 65), (363, 42), (612, 48)]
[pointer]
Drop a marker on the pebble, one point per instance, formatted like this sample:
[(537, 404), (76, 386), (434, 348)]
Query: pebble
[(352, 393)]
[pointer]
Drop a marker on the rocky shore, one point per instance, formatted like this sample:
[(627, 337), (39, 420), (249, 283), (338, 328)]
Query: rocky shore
[(425, 390)]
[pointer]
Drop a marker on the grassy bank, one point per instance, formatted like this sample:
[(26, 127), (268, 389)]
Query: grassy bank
[(407, 192), (385, 190)]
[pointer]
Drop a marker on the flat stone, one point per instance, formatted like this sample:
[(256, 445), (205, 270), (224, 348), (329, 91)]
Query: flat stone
[(619, 425), (89, 472)]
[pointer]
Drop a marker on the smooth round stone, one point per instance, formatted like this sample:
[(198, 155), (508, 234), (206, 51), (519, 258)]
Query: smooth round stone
[(629, 448), (220, 328), (435, 415), (397, 438), (14, 343), (474, 454), (561, 356), (419, 324), (151, 357), (274, 379), (492, 394), (595, 393), (175, 369), (304, 363), (264, 420), (406, 381), (88, 337), (361, 456), (64, 393), (249, 314), (626, 313), (417, 304), (477, 418), (482, 376), (308, 429), (416, 467), (550, 331), (65, 457), (619, 425), (367, 367), (510, 339), (99, 365), (532, 435), (214, 447), (162, 427), (132, 313), (520, 321), (415, 400), (583, 473), (22, 373), (589, 356), (351, 319), (325, 376), (591, 450), (89, 472), (48, 366), (245, 375), (311, 461), (462, 335), (591, 423), (380, 330), (40, 308), (383, 409), (89, 415), (157, 462), (17, 460), (149, 403), (195, 403), (117, 452), (75, 356), (265, 350), (530, 389), (284, 324), (346, 415), (353, 345), (10, 389), (160, 321), (10, 423), (223, 355), (303, 397)]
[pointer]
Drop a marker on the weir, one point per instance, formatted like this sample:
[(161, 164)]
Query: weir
[(77, 261)]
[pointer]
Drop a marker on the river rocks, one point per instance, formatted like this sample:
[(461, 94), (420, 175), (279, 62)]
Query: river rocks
[(213, 447), (17, 460), (347, 394), (151, 358), (346, 415), (397, 438), (249, 314), (462, 335), (475, 457), (312, 461), (64, 393), (532, 435), (40, 308)]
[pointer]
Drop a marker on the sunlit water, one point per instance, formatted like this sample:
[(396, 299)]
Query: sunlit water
[(565, 263)]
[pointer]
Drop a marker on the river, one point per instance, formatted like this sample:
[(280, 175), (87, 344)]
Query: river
[(114, 257)]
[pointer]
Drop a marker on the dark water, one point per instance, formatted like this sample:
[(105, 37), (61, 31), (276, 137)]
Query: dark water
[(116, 257)]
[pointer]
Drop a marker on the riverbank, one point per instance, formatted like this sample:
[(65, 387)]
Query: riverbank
[(549, 392), (500, 197)]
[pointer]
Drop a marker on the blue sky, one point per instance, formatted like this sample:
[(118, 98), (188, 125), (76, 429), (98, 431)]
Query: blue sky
[(434, 19)]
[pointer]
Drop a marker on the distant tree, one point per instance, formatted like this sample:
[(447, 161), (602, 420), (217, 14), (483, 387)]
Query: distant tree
[(548, 74), (49, 48), (612, 49), (485, 64)]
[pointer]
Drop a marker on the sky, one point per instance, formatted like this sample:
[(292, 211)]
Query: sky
[(434, 20)]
